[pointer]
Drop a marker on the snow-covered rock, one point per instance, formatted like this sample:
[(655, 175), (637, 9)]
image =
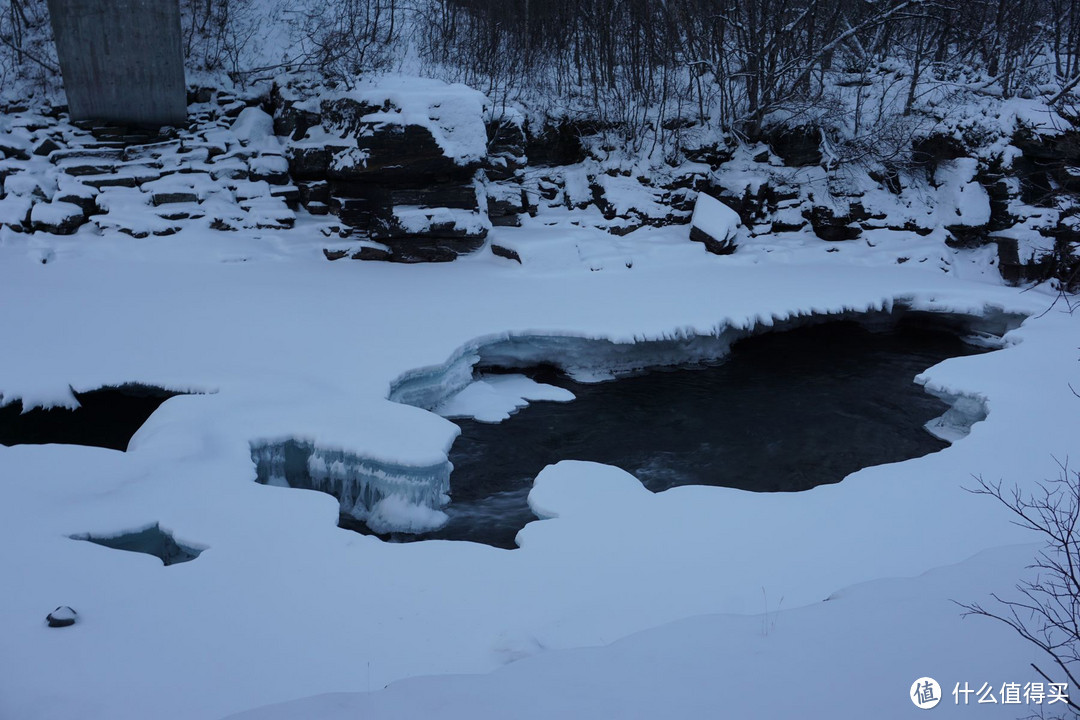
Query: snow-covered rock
[(253, 125), (59, 218), (714, 224), (62, 616)]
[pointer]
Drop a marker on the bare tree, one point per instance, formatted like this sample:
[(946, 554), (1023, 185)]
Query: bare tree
[(1046, 611)]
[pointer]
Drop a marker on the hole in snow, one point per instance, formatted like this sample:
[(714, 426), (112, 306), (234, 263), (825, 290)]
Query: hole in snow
[(107, 417), (151, 540)]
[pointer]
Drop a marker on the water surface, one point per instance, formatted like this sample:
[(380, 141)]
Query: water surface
[(784, 412)]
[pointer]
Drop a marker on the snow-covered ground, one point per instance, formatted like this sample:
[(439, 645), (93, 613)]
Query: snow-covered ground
[(697, 601)]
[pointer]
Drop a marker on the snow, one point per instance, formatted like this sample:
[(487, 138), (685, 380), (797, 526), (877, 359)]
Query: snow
[(413, 219), (54, 213), (253, 125), (965, 201), (714, 218), (494, 398), (768, 664), (284, 346), (452, 113)]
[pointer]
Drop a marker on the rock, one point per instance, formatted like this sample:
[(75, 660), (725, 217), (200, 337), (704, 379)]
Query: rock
[(431, 223), (370, 252), (274, 169), (290, 194), (504, 204), (109, 180), (8, 150), (548, 190), (78, 166), (932, 150), (78, 194), (171, 198), (62, 616), (715, 225), (311, 162), (15, 212), (59, 218), (253, 125), (558, 144), (200, 95), (713, 155), (796, 146), (967, 236), (400, 154), (455, 195), (506, 147), (233, 109), (832, 227), (95, 154), (507, 253), (232, 169), (47, 146), (317, 191), (293, 122), (420, 250)]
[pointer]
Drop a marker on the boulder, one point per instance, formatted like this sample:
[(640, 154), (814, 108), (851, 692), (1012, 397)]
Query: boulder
[(715, 225), (78, 194), (252, 125), (59, 218), (47, 146), (62, 616)]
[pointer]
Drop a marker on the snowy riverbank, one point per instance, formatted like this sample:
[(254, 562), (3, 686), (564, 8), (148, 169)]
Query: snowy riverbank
[(282, 604)]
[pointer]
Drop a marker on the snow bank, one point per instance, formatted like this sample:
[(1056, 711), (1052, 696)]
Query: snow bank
[(673, 671)]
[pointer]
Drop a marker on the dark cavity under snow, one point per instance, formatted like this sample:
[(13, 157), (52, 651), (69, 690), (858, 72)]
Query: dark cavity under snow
[(151, 541), (107, 417)]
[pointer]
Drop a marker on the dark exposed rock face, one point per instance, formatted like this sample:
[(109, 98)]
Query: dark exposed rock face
[(796, 146), (724, 246), (392, 181), (831, 227), (507, 253), (932, 150), (558, 144)]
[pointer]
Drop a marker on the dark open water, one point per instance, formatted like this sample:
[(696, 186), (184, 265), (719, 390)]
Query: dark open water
[(785, 412)]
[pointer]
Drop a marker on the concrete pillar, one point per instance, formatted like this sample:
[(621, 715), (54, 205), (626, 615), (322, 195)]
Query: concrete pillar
[(122, 60)]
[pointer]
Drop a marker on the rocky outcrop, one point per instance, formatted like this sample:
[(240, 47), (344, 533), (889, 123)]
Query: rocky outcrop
[(796, 146), (395, 171), (226, 171)]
